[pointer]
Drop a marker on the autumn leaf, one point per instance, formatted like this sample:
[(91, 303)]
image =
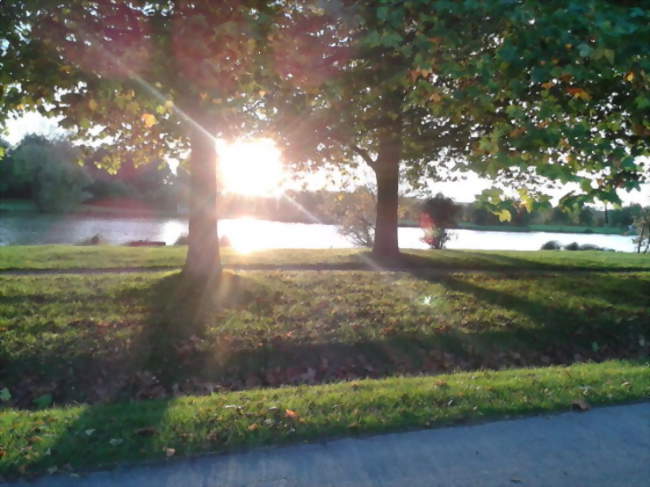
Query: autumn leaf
[(579, 93), (291, 414), (148, 119), (548, 85), (253, 427), (629, 76), (92, 104)]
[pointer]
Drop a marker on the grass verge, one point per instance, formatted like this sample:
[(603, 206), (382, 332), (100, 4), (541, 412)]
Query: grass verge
[(72, 438), (105, 257)]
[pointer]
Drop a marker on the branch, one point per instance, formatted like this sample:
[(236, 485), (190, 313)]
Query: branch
[(364, 155)]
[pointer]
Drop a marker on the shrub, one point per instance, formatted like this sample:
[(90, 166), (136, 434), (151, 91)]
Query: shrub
[(438, 215), (96, 239), (572, 246), (590, 247), (551, 245)]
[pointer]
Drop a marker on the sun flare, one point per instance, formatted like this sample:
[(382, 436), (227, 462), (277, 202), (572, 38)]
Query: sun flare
[(250, 167)]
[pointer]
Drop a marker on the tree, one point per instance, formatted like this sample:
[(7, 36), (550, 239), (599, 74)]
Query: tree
[(148, 79), (528, 93), (438, 215), (48, 168)]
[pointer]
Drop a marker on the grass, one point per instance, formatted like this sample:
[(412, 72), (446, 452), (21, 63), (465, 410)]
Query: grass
[(106, 257), (73, 438), (99, 369), (111, 337)]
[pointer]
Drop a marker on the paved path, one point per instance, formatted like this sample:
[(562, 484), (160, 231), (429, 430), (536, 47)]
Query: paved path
[(603, 447)]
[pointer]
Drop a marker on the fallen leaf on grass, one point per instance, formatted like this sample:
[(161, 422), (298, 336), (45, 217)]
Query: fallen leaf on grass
[(253, 427), (169, 452), (580, 405), (289, 413)]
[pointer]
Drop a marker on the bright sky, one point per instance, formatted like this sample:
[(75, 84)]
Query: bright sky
[(257, 168)]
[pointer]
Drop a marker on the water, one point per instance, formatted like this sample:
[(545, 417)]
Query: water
[(247, 234)]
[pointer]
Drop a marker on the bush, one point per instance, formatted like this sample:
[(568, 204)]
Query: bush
[(438, 215), (572, 246), (590, 247), (551, 245), (96, 239)]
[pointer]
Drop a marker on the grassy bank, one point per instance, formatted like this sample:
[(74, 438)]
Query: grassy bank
[(111, 337), (107, 256), (68, 439)]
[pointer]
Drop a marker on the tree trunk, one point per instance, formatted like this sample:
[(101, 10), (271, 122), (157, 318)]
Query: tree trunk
[(387, 173), (203, 262)]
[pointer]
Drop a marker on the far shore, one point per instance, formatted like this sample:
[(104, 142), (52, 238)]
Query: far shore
[(93, 210)]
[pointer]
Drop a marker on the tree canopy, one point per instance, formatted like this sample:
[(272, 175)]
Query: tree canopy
[(528, 93), (150, 79)]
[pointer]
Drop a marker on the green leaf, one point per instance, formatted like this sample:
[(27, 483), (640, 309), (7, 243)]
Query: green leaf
[(504, 215)]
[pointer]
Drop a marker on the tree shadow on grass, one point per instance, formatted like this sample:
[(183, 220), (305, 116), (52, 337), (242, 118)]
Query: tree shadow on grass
[(172, 354), (154, 358)]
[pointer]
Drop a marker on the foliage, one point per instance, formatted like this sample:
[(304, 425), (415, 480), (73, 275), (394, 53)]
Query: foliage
[(355, 215), (49, 169), (145, 80), (551, 245), (438, 215), (547, 92)]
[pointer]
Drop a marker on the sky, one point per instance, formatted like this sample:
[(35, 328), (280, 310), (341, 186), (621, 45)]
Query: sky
[(461, 191)]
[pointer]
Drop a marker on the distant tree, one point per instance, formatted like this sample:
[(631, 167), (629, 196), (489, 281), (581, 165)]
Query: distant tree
[(49, 167), (438, 215)]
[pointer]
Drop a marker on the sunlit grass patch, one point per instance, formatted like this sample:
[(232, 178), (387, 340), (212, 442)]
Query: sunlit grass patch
[(72, 438)]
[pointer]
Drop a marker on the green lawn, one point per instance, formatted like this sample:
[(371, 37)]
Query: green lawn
[(73, 438), (104, 368), (106, 256), (95, 338)]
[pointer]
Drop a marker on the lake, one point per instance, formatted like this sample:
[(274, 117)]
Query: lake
[(247, 234)]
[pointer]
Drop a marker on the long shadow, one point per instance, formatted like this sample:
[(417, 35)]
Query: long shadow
[(147, 370), (173, 353)]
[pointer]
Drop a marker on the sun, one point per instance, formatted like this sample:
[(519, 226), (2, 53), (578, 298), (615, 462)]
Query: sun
[(250, 167)]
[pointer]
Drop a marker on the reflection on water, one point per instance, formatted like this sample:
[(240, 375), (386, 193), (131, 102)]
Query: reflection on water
[(247, 234)]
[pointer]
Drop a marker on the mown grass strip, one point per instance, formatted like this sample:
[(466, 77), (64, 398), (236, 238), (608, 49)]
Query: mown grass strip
[(67, 439), (106, 257)]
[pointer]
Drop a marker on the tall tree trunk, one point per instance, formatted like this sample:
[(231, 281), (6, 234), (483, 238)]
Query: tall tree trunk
[(203, 262), (387, 173)]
